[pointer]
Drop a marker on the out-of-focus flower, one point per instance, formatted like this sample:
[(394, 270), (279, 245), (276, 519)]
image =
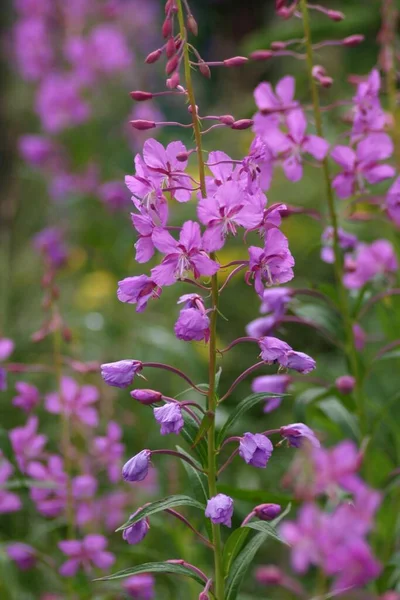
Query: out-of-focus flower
[(109, 450), (271, 384), (113, 194), (74, 401), (9, 502), (27, 443), (23, 555), (85, 554), (140, 587), (393, 202), (50, 242), (138, 290), (84, 489), (298, 434), (50, 501), (369, 262), (347, 242), (33, 48), (59, 103), (28, 396)]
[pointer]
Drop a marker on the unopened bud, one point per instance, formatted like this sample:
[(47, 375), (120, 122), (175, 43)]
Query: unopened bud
[(335, 15), (166, 29), (236, 61), (205, 70), (261, 55), (168, 6), (170, 47), (269, 575), (142, 124), (285, 12), (141, 96), (192, 25), (278, 45), (182, 156), (326, 81), (318, 71), (353, 40), (242, 124), (267, 512), (171, 65), (146, 396), (66, 334), (227, 119), (173, 81), (345, 384), (153, 56)]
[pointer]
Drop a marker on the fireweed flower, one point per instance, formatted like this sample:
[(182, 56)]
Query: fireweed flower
[(121, 373), (84, 488), (6, 348), (138, 290), (298, 434), (27, 444), (271, 384), (169, 417), (148, 198), (222, 213), (267, 512), (109, 450), (347, 242), (193, 323), (392, 202), (75, 401), (291, 145), (362, 164), (269, 103), (369, 262), (298, 361), (50, 243), (257, 167), (137, 468), (181, 257), (136, 532), (32, 46), (163, 161), (50, 502), (220, 510), (271, 264), (113, 195), (368, 113), (223, 170), (85, 554), (9, 502), (144, 225), (255, 449), (140, 587), (28, 396), (273, 349), (23, 555), (110, 509), (275, 300), (38, 150)]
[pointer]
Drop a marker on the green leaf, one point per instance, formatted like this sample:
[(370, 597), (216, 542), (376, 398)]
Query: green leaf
[(233, 546), (241, 408), (197, 480), (205, 425), (155, 567), (347, 422), (189, 433), (266, 528), (307, 398), (254, 496), (160, 505)]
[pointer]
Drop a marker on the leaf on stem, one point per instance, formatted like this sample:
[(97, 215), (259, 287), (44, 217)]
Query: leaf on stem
[(155, 567), (159, 506)]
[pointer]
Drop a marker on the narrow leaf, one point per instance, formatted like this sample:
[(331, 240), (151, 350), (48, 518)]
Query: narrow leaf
[(205, 425), (242, 408), (155, 567), (233, 546), (159, 506), (266, 528), (254, 496), (347, 422), (189, 433)]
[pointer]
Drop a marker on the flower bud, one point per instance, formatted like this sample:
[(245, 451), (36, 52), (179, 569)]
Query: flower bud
[(276, 46), (242, 124), (166, 29), (204, 596), (136, 532), (261, 55), (140, 96), (267, 512), (146, 396), (353, 40), (173, 81), (121, 373), (137, 467), (326, 81), (285, 13), (170, 47), (182, 156), (192, 26), (142, 124), (269, 575), (205, 70), (171, 65), (345, 384), (227, 119), (153, 56), (236, 61), (335, 15)]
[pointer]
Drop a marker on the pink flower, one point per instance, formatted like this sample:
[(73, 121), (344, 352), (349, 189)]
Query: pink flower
[(75, 401), (371, 260), (148, 198), (28, 396), (163, 161), (181, 257), (109, 450), (270, 103), (85, 554), (368, 114), (59, 103), (273, 264), (362, 164), (27, 444), (6, 348), (49, 501), (9, 502)]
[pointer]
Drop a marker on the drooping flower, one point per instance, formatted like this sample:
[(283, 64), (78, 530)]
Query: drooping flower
[(298, 361), (220, 509), (74, 400), (192, 325), (140, 587), (138, 290), (163, 161), (362, 164), (85, 554), (271, 264), (136, 532), (137, 468), (120, 373), (28, 396), (255, 449), (267, 512), (23, 555), (298, 434), (273, 349), (27, 443), (169, 417), (181, 257), (370, 261), (271, 384)]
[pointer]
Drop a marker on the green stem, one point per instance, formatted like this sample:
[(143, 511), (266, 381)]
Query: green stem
[(219, 582), (350, 348)]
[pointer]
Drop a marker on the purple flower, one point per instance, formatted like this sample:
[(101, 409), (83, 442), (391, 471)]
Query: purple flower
[(85, 554), (345, 384), (270, 103), (59, 103), (192, 325), (303, 536), (371, 260), (136, 532), (50, 502), (33, 48), (27, 444), (108, 49), (271, 384), (109, 450), (170, 417), (110, 509), (257, 168), (22, 554), (222, 168), (38, 150), (146, 396), (84, 488), (28, 396), (163, 161), (144, 225), (121, 373), (137, 468), (292, 144), (6, 348), (51, 244), (147, 194), (138, 290), (74, 401), (393, 202), (113, 194), (228, 209), (267, 512), (347, 242), (362, 164), (261, 327), (220, 510), (140, 587), (297, 434), (9, 502), (183, 256), (275, 300), (273, 349), (273, 263), (368, 113), (255, 449), (298, 361)]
